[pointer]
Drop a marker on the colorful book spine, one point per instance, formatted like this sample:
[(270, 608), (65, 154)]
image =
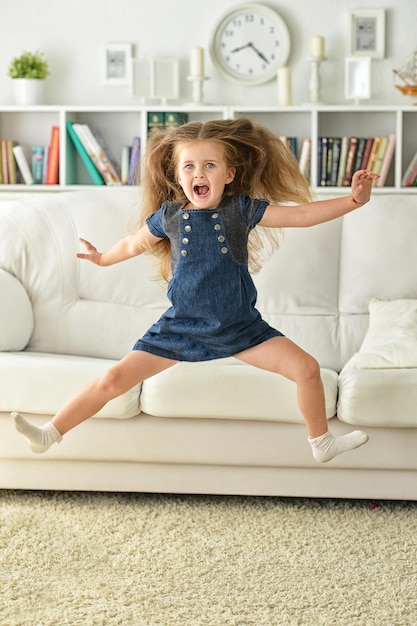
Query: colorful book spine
[(353, 146), (334, 169), (97, 153), (125, 164), (374, 154), (52, 169), (342, 160), (4, 162), (380, 155), (134, 167), (322, 162), (38, 158), (11, 164), (386, 163), (159, 120), (95, 175)]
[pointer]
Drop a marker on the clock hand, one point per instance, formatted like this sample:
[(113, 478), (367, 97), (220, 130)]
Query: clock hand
[(262, 56), (247, 45)]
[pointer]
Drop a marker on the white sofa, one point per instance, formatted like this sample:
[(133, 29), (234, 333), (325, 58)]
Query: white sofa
[(222, 426)]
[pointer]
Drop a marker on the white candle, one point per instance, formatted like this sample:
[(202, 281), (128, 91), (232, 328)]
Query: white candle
[(317, 47), (284, 86), (197, 62)]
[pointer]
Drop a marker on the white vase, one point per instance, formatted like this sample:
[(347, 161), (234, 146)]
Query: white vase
[(28, 90)]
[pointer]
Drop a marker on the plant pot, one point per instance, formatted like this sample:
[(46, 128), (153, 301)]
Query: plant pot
[(28, 90)]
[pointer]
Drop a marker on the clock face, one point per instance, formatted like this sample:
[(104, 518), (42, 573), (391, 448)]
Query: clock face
[(250, 43)]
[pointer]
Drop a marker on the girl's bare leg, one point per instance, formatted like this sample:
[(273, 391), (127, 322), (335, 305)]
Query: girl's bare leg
[(282, 356), (131, 370)]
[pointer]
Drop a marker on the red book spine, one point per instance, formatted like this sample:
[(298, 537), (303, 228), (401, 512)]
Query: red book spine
[(52, 174)]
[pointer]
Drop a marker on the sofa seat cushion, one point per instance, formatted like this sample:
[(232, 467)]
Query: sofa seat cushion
[(40, 383), (378, 397), (16, 315), (227, 389)]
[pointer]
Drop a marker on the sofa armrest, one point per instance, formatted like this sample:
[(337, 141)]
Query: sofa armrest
[(16, 314)]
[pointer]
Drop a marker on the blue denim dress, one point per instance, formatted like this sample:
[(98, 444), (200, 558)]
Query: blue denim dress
[(213, 296)]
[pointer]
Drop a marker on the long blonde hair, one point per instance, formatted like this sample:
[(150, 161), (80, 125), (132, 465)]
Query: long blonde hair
[(265, 168)]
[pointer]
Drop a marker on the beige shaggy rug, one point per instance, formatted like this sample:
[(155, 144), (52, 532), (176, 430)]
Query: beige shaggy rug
[(82, 559)]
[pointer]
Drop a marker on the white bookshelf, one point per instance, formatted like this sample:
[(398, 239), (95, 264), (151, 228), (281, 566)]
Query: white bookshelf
[(119, 124)]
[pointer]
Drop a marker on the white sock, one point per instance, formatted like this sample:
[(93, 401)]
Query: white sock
[(327, 446), (40, 438)]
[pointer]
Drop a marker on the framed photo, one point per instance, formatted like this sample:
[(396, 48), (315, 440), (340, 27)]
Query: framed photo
[(358, 78), (117, 64), (367, 33)]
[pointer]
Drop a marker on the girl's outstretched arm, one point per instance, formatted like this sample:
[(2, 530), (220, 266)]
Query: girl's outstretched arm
[(128, 247), (321, 210)]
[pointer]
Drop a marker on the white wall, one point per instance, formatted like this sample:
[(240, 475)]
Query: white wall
[(70, 33)]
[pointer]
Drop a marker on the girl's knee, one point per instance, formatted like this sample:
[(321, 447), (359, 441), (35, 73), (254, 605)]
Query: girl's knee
[(110, 383), (310, 369)]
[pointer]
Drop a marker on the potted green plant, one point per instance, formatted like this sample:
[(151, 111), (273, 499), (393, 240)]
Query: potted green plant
[(28, 71)]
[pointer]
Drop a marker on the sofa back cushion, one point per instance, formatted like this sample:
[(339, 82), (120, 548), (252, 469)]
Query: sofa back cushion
[(378, 259), (79, 308)]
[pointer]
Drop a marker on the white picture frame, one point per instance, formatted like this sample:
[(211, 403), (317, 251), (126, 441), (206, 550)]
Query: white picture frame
[(367, 33), (357, 78), (164, 79), (116, 64)]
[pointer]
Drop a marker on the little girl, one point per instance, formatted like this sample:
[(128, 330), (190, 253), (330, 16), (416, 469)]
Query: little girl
[(207, 191)]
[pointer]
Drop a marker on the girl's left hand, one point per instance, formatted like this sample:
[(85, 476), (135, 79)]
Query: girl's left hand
[(362, 185)]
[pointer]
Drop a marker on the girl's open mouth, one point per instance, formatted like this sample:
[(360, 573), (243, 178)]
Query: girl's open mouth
[(201, 190)]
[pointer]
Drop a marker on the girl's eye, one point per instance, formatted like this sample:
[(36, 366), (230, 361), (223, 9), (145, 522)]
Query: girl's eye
[(189, 166), (209, 165)]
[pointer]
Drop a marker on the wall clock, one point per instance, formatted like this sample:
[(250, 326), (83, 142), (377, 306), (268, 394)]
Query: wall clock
[(249, 43)]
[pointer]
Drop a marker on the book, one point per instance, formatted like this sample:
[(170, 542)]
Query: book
[(305, 158), (45, 163), (4, 162), (321, 161), (337, 144), (374, 153), (52, 166), (23, 165), (156, 121), (359, 154), (11, 163), (159, 120), (366, 152), (125, 164), (380, 155), (406, 179), (330, 141), (350, 161), (38, 158), (97, 154), (412, 180), (175, 119), (95, 175), (342, 160), (134, 166), (386, 163)]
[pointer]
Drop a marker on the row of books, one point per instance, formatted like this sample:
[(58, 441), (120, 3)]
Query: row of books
[(101, 166), (41, 166), (339, 157), (160, 120)]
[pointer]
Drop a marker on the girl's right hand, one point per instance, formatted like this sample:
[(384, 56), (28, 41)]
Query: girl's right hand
[(91, 255)]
